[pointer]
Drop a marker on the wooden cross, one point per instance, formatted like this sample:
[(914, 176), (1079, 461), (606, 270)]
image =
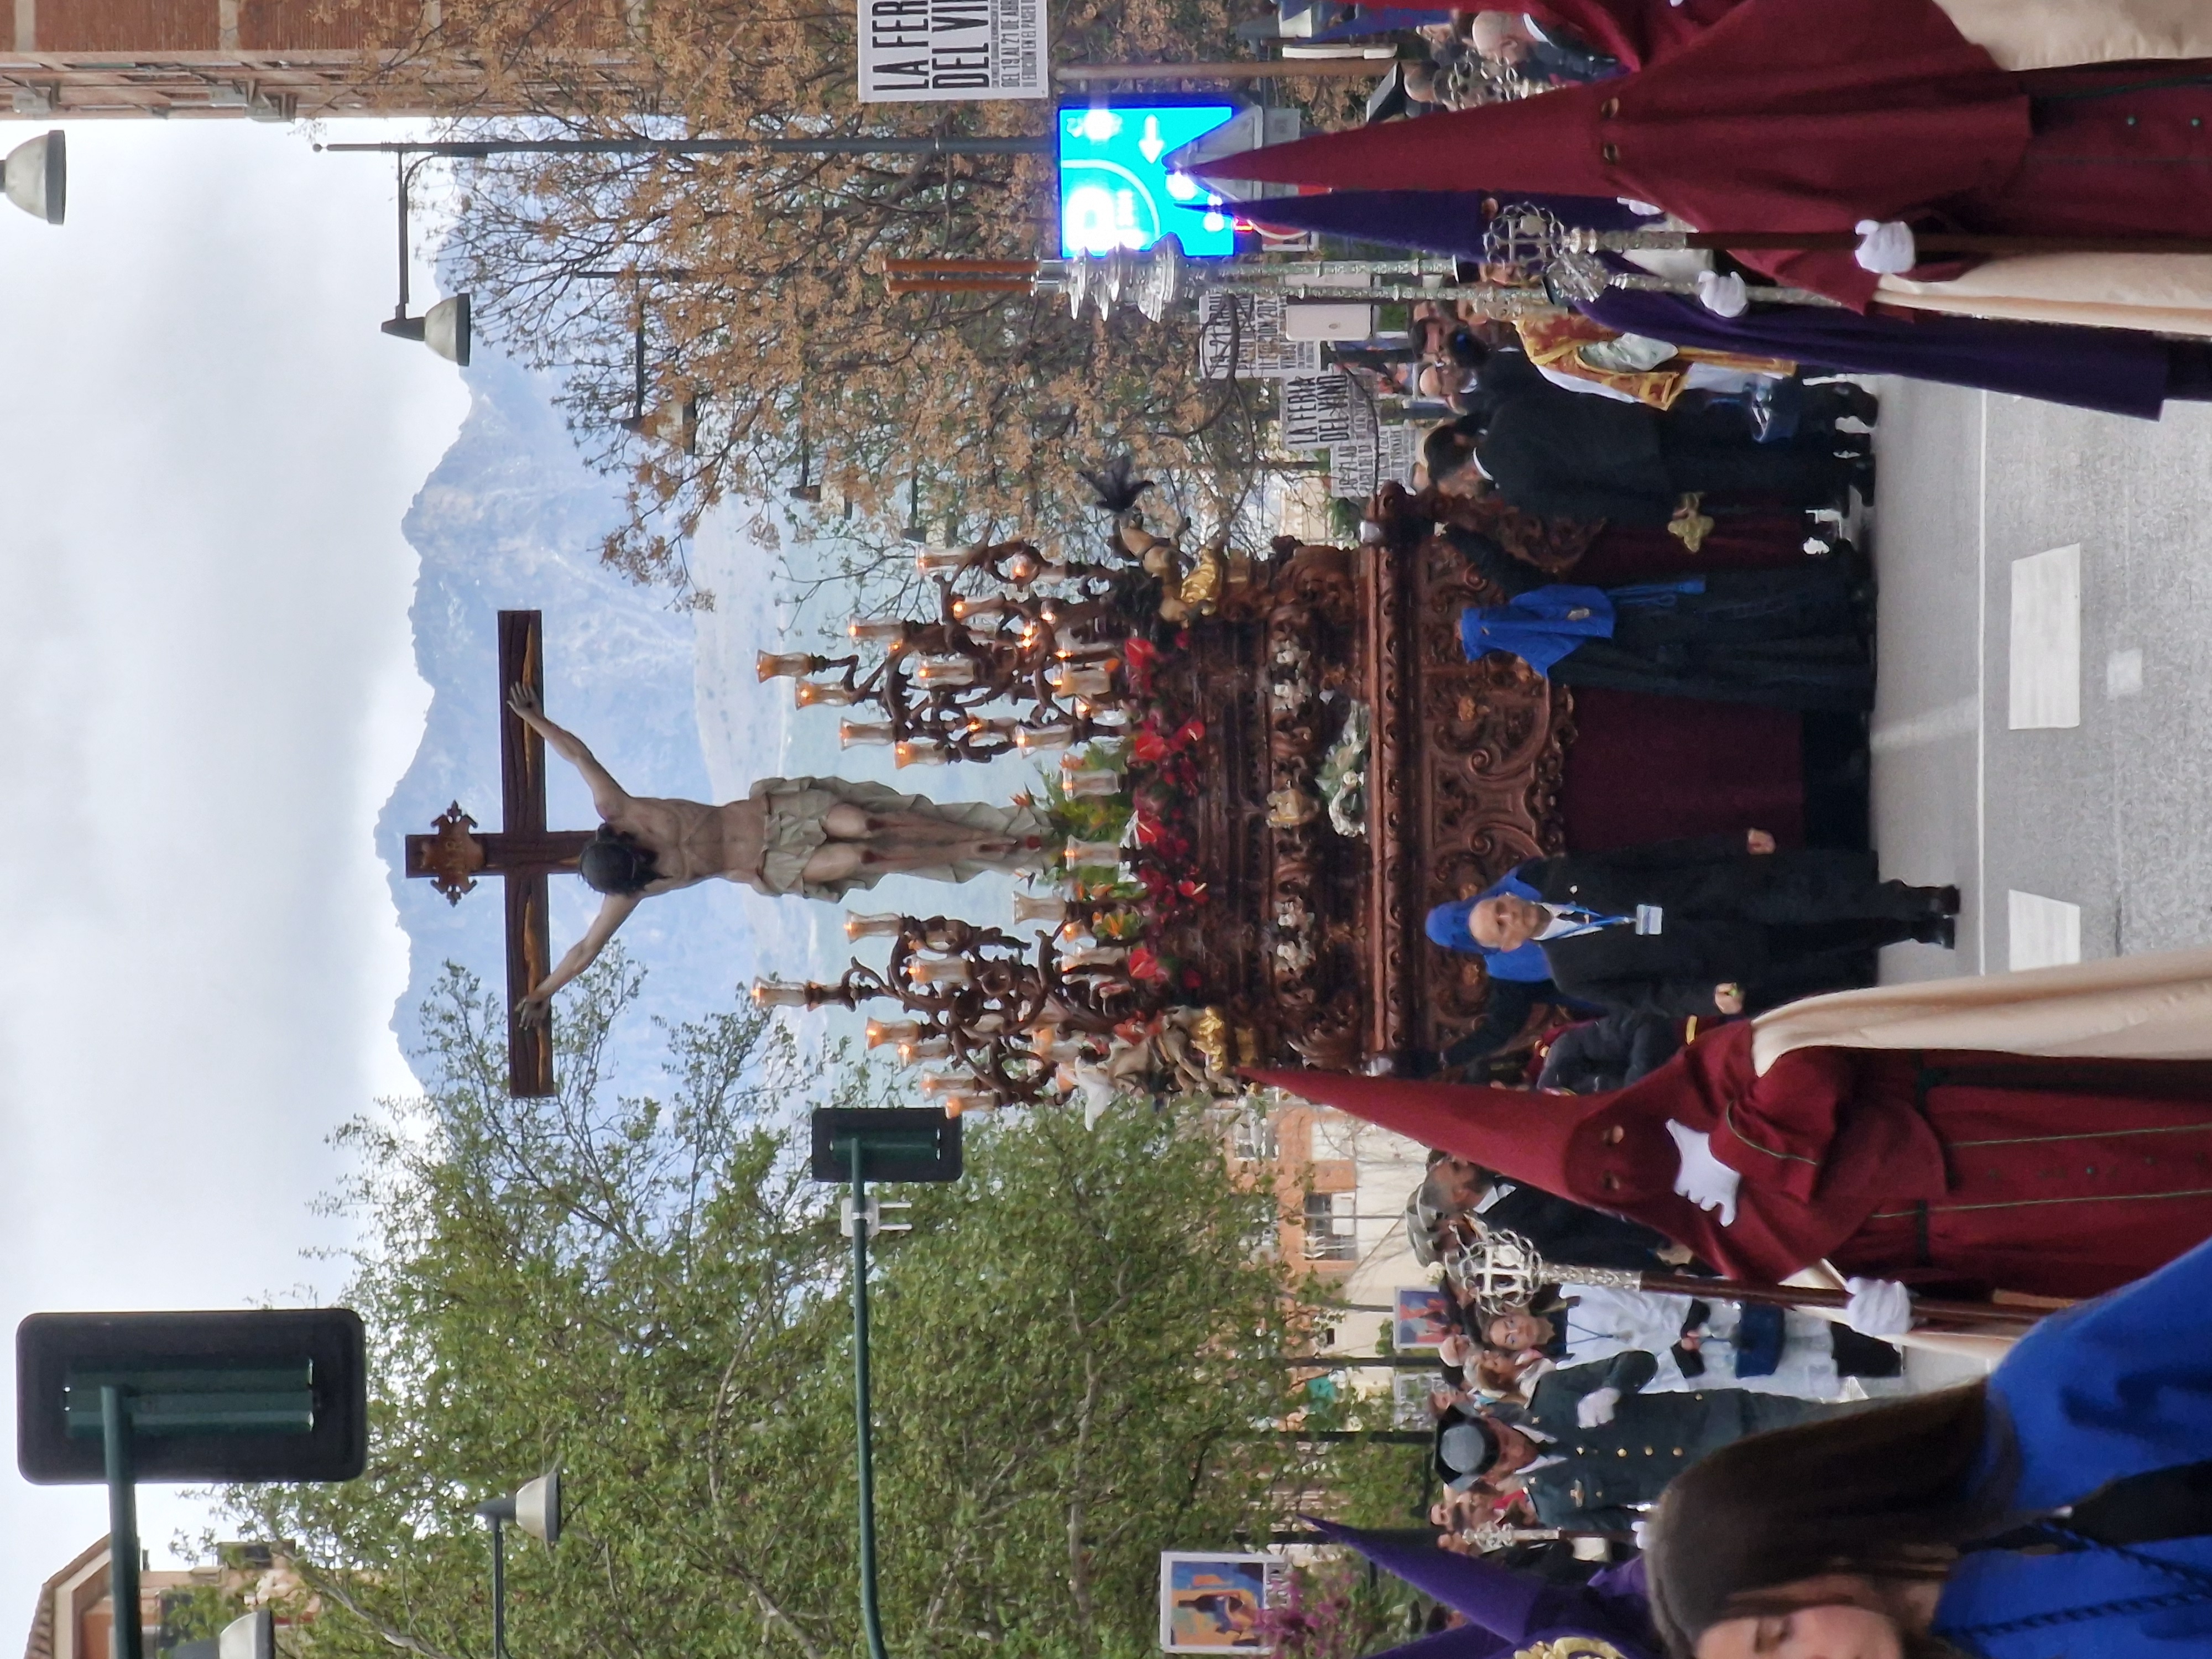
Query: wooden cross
[(523, 852)]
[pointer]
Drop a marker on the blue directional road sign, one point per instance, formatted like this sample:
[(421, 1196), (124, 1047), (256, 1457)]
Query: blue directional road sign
[(1116, 193)]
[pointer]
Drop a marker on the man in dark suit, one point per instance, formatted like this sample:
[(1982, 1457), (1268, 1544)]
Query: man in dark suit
[(1709, 926), (1559, 1231), (1590, 1445), (1564, 454), (1593, 1055)]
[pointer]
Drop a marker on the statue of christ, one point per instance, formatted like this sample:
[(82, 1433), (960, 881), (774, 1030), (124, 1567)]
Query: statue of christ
[(820, 837)]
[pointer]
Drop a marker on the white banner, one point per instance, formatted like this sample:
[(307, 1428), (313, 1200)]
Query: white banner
[(1371, 458), (945, 51), (1253, 323), (1320, 410)]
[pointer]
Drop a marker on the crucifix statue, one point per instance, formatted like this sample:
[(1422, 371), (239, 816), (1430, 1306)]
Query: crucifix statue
[(819, 837)]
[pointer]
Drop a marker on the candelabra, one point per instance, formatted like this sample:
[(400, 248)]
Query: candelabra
[(1055, 656), (993, 1013)]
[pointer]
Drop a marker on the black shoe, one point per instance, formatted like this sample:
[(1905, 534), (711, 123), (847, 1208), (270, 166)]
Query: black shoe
[(1947, 900), (1937, 930), (1862, 477)]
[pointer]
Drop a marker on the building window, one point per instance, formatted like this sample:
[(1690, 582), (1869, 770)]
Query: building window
[(1253, 1139), (1331, 1227)]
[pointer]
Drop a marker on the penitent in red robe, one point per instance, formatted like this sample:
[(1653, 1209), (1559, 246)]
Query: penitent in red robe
[(2061, 1178), (1766, 122)]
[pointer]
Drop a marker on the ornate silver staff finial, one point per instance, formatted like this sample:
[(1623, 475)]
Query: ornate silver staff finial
[(1501, 1270)]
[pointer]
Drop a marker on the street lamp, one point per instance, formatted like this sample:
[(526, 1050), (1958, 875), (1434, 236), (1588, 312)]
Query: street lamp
[(37, 177), (536, 1507), (444, 327)]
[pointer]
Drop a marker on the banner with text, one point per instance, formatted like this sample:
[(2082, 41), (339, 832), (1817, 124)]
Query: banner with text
[(1320, 410), (1247, 329), (926, 51)]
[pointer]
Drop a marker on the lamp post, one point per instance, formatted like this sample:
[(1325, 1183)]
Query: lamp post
[(477, 149), (535, 1508), (444, 327), (35, 177)]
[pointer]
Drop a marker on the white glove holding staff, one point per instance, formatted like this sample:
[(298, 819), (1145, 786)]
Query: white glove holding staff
[(1878, 1307), (1724, 296), (1885, 246)]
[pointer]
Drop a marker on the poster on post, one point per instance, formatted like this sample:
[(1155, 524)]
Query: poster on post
[(1374, 456), (1320, 410), (951, 51), (1211, 1601), (1242, 335)]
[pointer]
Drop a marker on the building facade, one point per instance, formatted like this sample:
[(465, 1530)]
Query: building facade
[(74, 1618), (281, 60)]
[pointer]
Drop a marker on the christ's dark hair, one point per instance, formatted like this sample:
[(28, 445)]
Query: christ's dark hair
[(1888, 1494), (614, 861)]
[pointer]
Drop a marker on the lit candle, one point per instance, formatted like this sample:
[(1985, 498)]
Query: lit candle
[(1094, 955), (777, 993), (1083, 681), (880, 1031), (785, 664), (881, 630), (1028, 907), (920, 751), (1086, 854), (1044, 737), (943, 561), (1081, 782), (980, 728), (944, 671), (969, 610), (1022, 568), (881, 924), (949, 970), (852, 733), (807, 693), (966, 1100), (921, 1048)]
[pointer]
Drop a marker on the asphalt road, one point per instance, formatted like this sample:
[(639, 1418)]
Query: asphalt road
[(2112, 816)]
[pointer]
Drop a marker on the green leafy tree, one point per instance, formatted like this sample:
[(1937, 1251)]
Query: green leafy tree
[(1078, 1351)]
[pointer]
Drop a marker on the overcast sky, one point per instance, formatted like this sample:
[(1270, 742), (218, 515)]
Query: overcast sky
[(206, 691)]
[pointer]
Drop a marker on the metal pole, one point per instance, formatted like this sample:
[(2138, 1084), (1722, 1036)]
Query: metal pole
[(1266, 68), (122, 1524), (402, 310), (472, 148), (498, 1589), (871, 1621)]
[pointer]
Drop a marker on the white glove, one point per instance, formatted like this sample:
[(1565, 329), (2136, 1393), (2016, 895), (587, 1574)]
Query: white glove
[(1724, 296), (1878, 1307), (1595, 1409), (1641, 1530), (1649, 209), (1885, 246), (1704, 1179)]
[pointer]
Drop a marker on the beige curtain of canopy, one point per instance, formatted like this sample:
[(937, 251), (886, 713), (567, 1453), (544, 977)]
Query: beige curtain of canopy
[(2146, 1007), (2029, 35)]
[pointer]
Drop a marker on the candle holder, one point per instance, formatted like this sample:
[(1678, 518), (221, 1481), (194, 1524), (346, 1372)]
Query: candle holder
[(920, 751), (1030, 907), (881, 1031), (780, 993), (944, 671), (1090, 782), (921, 1048), (1044, 737), (946, 561), (786, 665), (946, 970), (808, 693), (1093, 854), (876, 630), (853, 734), (1094, 955), (860, 924), (967, 609)]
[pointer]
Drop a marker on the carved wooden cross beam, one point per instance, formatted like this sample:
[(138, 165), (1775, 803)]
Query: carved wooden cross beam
[(522, 852)]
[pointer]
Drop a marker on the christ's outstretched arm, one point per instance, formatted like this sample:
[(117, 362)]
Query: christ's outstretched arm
[(610, 797), (614, 910)]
